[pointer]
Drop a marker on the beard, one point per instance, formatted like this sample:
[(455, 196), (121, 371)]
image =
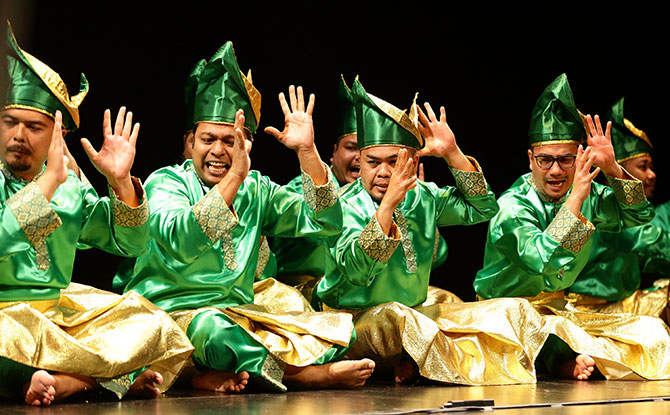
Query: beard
[(16, 158)]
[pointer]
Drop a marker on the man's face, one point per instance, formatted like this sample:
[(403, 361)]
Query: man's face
[(346, 159), (188, 144), (554, 181), (25, 136), (377, 164), (642, 168), (213, 151)]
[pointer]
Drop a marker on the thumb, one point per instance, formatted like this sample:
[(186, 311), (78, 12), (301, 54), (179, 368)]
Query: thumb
[(88, 148)]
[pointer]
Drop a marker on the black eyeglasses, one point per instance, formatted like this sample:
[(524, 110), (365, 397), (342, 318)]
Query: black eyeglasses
[(545, 161)]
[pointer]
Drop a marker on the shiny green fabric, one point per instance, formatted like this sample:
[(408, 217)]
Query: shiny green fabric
[(659, 266), (555, 116), (25, 87), (522, 260), (221, 344), (354, 280), (221, 91), (626, 144), (346, 110), (307, 256), (183, 269), (87, 222), (190, 88), (613, 271), (375, 127)]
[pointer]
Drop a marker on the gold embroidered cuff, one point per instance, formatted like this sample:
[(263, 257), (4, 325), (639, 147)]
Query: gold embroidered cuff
[(130, 217), (470, 183), (319, 197), (569, 231), (376, 244), (214, 216), (627, 192), (263, 258), (36, 218)]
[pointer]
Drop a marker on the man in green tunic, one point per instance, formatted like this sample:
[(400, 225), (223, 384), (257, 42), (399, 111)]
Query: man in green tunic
[(46, 321), (378, 269), (540, 240), (207, 217), (610, 280)]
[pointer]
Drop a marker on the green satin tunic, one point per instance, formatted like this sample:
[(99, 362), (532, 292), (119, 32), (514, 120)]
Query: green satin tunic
[(184, 268), (659, 266), (37, 253), (523, 258), (355, 279), (614, 268)]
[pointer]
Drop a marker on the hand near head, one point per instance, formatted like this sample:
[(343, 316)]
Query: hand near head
[(117, 154), (298, 133), (440, 140), (402, 180), (241, 162), (601, 143), (420, 174), (56, 170), (581, 185)]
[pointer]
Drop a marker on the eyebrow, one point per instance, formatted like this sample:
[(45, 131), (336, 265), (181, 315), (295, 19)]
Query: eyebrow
[(210, 135), (549, 155), (371, 157), (29, 122)]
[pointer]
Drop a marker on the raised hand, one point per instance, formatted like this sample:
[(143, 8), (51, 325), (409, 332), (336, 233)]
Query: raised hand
[(440, 140), (117, 154), (420, 174), (298, 133), (402, 179), (56, 171), (601, 143), (241, 162), (581, 185)]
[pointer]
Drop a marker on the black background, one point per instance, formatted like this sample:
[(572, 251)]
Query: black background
[(486, 65)]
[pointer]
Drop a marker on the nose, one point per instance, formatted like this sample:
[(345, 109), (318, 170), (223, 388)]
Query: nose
[(651, 175), (555, 168), (385, 170), (20, 134), (218, 148)]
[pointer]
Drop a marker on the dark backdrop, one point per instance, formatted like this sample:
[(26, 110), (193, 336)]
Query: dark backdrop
[(486, 65)]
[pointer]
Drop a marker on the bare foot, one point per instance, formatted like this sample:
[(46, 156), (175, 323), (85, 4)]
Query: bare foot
[(406, 371), (145, 385), (580, 368), (218, 381), (343, 374), (40, 390)]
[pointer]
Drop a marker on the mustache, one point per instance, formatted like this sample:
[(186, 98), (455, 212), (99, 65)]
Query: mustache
[(16, 148)]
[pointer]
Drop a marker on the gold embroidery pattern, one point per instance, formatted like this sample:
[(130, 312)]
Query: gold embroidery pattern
[(319, 197), (375, 243), (36, 218), (119, 386), (124, 215), (407, 248), (627, 192), (470, 183), (570, 232), (217, 221), (263, 257), (272, 373), (437, 244)]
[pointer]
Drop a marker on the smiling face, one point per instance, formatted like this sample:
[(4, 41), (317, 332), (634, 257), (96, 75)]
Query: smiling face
[(555, 181), (212, 151), (377, 164), (25, 136), (642, 168), (346, 159)]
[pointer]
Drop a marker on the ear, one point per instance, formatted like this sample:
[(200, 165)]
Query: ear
[(530, 159)]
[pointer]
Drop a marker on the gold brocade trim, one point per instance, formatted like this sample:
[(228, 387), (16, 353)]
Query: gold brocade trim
[(376, 244), (544, 143), (11, 176), (217, 221), (319, 197), (254, 96), (399, 116), (569, 231), (436, 245), (127, 216), (407, 248), (632, 157), (627, 192), (637, 132), (37, 219), (272, 373), (263, 257), (470, 183), (119, 386)]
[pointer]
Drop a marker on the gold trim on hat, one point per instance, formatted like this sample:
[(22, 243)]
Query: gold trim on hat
[(544, 143), (254, 96), (398, 116), (637, 132), (634, 156)]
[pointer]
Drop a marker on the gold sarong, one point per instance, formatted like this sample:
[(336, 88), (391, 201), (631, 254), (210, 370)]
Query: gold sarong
[(94, 333)]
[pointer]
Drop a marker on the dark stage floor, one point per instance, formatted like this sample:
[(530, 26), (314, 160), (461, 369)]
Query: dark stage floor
[(388, 399)]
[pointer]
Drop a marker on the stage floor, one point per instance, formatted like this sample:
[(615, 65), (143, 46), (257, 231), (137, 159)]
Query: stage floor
[(381, 399)]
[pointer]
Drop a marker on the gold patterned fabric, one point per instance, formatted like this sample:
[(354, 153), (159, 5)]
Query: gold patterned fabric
[(124, 215), (627, 192), (263, 257), (569, 231), (94, 333), (217, 221), (376, 244), (470, 183), (319, 197), (36, 218), (492, 342), (438, 295), (406, 242)]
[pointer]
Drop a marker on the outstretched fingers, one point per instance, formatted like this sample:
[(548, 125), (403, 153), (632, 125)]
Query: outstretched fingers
[(292, 97), (118, 126), (430, 112)]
